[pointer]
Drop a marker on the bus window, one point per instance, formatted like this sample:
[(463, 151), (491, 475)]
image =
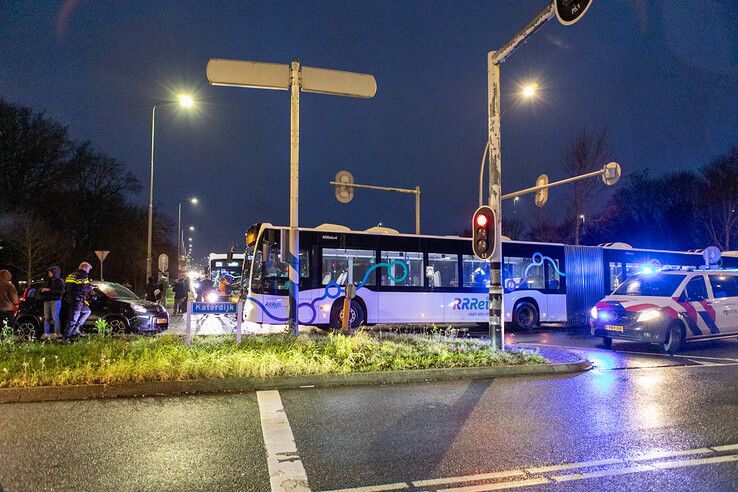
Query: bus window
[(414, 264), (442, 270), (271, 274), (476, 271), (616, 275), (345, 266), (521, 273)]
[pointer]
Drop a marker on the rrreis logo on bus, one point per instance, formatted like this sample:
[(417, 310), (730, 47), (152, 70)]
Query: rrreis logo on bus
[(470, 303), (326, 236)]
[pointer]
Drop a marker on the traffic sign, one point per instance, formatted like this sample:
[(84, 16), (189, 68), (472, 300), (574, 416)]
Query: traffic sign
[(337, 82), (214, 307), (163, 262), (101, 255), (611, 174), (344, 194), (258, 75), (570, 11), (541, 195)]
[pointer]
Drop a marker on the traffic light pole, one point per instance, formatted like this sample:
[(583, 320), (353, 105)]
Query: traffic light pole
[(294, 238), (494, 58)]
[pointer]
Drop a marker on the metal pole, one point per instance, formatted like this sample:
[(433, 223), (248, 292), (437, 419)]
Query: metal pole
[(496, 318), (151, 195), (101, 270), (533, 189), (417, 210), (294, 239), (179, 235)]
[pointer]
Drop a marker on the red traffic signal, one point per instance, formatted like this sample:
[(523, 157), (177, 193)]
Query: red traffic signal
[(484, 241)]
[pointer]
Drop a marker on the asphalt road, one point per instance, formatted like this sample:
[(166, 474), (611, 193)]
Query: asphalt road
[(594, 431)]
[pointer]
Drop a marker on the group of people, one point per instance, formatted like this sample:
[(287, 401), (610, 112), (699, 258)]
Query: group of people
[(180, 286), (75, 287)]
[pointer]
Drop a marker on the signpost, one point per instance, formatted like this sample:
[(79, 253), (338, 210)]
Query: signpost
[(568, 11), (349, 294), (213, 308), (259, 75), (101, 255)]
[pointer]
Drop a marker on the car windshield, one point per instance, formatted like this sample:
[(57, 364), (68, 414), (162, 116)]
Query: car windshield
[(115, 291), (650, 285)]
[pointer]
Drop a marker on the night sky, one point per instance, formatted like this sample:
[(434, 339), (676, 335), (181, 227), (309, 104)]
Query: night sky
[(662, 75)]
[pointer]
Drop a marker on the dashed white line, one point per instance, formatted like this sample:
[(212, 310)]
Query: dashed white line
[(703, 461), (376, 488), (569, 466), (603, 473), (469, 478), (656, 455), (286, 472), (726, 447), (500, 485)]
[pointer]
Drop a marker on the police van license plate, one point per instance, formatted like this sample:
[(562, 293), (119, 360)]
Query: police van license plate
[(614, 328)]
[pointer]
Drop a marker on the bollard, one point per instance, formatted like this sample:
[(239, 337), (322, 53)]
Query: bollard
[(346, 314)]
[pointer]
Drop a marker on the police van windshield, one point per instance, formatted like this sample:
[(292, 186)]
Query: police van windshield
[(650, 285)]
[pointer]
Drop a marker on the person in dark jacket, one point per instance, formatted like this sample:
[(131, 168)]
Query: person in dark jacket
[(77, 287), (51, 294), (8, 298), (153, 290), (181, 292)]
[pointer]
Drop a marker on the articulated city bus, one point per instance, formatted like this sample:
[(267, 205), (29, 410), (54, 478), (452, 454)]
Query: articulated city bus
[(406, 278)]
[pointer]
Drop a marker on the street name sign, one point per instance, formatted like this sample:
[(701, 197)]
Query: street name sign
[(214, 307)]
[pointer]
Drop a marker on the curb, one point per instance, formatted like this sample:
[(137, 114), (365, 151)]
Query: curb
[(235, 385)]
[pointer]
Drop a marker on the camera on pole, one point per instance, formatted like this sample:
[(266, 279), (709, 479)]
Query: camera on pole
[(484, 241)]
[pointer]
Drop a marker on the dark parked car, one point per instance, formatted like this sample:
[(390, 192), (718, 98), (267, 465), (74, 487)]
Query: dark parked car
[(124, 311)]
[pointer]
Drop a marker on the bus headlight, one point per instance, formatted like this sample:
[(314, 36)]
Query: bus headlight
[(593, 312), (648, 315)]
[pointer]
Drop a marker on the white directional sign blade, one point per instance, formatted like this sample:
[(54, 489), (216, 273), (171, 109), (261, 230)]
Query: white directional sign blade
[(337, 82), (238, 73)]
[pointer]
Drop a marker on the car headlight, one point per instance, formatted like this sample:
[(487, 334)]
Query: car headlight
[(212, 297), (648, 315), (138, 308), (593, 312)]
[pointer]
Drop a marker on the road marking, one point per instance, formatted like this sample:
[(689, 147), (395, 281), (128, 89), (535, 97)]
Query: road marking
[(726, 447), (706, 358), (569, 466), (656, 455), (703, 461), (528, 474), (376, 488), (469, 478), (500, 485), (603, 473), (286, 472)]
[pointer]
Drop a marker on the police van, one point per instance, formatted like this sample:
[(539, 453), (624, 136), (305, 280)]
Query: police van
[(669, 307)]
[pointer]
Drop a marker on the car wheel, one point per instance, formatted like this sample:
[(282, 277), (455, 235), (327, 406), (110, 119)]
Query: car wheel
[(27, 329), (673, 341), (607, 342), (357, 316), (525, 315), (117, 326)]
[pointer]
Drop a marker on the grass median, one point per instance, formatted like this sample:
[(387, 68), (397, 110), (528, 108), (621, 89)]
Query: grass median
[(166, 358)]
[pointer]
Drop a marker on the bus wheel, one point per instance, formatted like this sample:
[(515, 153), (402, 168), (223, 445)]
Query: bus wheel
[(357, 316), (673, 340), (525, 315)]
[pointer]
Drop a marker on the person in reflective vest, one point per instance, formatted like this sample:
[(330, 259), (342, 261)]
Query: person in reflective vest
[(77, 285)]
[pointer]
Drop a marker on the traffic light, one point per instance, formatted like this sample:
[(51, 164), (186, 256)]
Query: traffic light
[(483, 235)]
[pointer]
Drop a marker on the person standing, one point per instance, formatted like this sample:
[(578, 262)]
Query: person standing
[(152, 290), (51, 294), (181, 290), (77, 287), (8, 297)]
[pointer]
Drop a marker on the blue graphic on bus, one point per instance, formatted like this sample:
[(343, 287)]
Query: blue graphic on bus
[(338, 291), (537, 260)]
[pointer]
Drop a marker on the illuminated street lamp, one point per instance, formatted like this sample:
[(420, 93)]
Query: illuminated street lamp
[(192, 228), (185, 101)]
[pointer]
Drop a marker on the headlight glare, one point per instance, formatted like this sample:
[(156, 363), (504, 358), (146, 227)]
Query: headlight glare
[(648, 315), (593, 312)]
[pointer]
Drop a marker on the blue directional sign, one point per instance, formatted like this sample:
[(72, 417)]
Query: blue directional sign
[(214, 308)]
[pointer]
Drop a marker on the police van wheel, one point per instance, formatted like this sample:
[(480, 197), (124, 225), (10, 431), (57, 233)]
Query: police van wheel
[(673, 341), (607, 342), (525, 315), (357, 316)]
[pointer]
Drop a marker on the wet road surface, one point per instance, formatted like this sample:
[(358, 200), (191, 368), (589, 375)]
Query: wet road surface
[(638, 421)]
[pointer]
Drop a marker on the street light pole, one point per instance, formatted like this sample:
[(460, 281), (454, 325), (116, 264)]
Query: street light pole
[(294, 237), (151, 195)]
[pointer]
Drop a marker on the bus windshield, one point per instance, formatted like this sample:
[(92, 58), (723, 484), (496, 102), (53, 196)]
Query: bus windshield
[(650, 285)]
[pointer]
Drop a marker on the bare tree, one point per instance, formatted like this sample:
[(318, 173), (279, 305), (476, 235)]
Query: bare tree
[(513, 228), (33, 245), (587, 151), (720, 199)]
